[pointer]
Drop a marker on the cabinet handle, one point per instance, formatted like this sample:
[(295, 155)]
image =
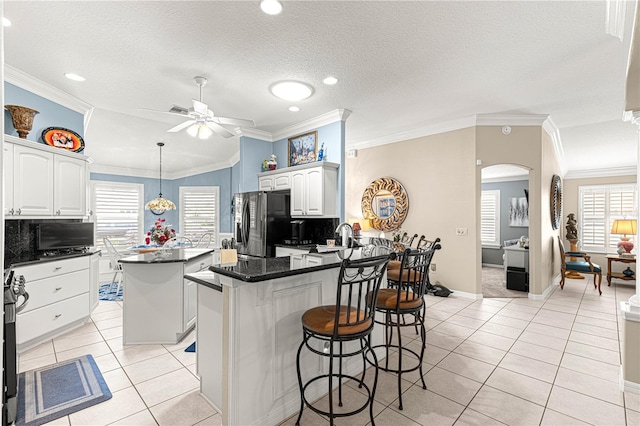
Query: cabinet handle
[(57, 316), (19, 211), (11, 211), (58, 289), (57, 268), (58, 212)]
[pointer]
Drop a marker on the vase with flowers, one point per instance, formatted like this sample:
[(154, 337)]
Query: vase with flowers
[(160, 233)]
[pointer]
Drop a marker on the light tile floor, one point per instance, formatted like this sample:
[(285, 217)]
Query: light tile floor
[(492, 361)]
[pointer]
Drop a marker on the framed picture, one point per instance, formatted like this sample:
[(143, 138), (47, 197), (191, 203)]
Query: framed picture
[(518, 212), (302, 148)]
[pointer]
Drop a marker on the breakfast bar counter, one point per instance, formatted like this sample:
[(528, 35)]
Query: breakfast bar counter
[(249, 329), (159, 305)]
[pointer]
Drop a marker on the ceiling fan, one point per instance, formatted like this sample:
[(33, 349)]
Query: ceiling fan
[(201, 121)]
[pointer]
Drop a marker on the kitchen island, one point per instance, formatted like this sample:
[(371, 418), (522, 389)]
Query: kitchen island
[(159, 305), (249, 329)]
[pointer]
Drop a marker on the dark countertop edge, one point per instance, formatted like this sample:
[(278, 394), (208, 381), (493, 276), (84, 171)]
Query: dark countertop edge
[(203, 281), (160, 259), (271, 275), (52, 259)]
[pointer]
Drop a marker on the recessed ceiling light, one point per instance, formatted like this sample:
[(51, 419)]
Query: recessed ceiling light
[(271, 7), (74, 77), (6, 22), (291, 90), (294, 109), (330, 81)]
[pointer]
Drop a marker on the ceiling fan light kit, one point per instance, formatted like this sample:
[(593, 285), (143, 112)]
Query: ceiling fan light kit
[(201, 121), (160, 205), (271, 7)]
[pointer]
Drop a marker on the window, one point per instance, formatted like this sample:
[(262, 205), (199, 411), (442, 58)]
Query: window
[(199, 212), (118, 214), (490, 218), (599, 206)]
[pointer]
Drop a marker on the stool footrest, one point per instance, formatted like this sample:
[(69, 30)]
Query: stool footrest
[(362, 385), (391, 370)]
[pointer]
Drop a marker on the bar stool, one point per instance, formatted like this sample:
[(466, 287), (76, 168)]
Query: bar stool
[(405, 298), (351, 319)]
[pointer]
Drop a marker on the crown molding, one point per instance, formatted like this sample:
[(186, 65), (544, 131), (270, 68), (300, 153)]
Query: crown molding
[(511, 120), (122, 171), (255, 134), (38, 87), (606, 172), (432, 129), (554, 133), (319, 121)]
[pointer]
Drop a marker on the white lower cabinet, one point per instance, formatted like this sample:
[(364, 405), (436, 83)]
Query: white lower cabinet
[(94, 281), (59, 299)]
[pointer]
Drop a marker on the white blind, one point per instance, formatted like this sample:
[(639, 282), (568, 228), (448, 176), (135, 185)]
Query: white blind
[(117, 211), (490, 217), (199, 212), (600, 205)]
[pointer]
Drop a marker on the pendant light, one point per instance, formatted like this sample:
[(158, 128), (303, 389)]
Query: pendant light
[(160, 205)]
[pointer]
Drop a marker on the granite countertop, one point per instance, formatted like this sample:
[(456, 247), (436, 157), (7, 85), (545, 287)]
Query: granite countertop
[(263, 269), (167, 256), (33, 258)]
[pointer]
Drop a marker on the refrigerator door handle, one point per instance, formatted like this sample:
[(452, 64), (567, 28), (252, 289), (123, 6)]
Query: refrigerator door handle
[(245, 221)]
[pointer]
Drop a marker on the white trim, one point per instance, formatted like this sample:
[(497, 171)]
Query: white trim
[(505, 178), (428, 130), (312, 123), (554, 133), (511, 120), (255, 134), (38, 87), (595, 173), (466, 295), (548, 290), (203, 189), (627, 385), (491, 265), (629, 313), (614, 20)]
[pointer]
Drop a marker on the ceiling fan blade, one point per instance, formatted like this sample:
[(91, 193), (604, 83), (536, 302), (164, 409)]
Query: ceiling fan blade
[(241, 122), (200, 108), (219, 129), (182, 126), (174, 113)]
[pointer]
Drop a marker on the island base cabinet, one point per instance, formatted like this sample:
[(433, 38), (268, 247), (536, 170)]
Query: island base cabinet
[(209, 350), (153, 304)]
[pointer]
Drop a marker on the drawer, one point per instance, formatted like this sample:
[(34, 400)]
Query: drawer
[(198, 264), (54, 289), (38, 322), (51, 269)]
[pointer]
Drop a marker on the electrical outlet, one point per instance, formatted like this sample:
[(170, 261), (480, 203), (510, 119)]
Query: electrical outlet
[(462, 232), (433, 267), (352, 153)]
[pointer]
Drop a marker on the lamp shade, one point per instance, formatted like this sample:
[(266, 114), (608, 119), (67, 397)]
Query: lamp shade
[(624, 226), (365, 224)]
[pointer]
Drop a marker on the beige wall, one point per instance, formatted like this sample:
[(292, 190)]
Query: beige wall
[(571, 206), (439, 175), (630, 351)]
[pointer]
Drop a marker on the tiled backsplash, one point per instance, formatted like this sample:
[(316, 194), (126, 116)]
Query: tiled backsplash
[(20, 241)]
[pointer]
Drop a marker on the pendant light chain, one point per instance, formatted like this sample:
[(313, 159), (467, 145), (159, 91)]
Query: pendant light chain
[(160, 144)]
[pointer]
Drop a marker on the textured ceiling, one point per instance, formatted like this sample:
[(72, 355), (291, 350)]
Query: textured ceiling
[(400, 65)]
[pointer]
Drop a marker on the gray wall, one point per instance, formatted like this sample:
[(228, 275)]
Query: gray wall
[(508, 190)]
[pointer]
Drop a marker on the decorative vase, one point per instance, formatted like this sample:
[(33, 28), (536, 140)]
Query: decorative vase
[(22, 118), (628, 272)]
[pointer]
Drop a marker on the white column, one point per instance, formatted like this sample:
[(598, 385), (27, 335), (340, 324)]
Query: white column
[(634, 301)]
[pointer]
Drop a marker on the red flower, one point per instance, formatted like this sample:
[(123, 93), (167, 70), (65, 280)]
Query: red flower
[(173, 230), (147, 240), (162, 220), (149, 233)]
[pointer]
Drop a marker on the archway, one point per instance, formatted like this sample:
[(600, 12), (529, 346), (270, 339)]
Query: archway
[(504, 231)]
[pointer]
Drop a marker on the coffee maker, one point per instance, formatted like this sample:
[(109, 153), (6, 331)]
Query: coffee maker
[(298, 235)]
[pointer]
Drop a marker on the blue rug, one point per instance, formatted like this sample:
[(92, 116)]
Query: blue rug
[(108, 292), (191, 347), (54, 391)]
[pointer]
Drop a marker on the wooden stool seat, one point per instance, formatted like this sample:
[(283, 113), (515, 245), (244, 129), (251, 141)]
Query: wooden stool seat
[(388, 299), (322, 320)]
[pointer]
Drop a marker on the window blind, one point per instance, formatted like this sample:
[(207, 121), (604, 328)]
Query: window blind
[(600, 205), (199, 212), (490, 217), (117, 211)]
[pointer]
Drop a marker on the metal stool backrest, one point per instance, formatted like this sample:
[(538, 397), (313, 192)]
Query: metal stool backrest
[(205, 240), (179, 242), (377, 247), (414, 274), (423, 243), (114, 255), (358, 282)]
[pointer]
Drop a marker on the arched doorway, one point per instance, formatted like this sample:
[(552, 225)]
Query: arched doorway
[(504, 223)]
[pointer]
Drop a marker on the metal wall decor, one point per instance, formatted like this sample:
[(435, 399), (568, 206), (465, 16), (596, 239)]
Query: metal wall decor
[(556, 201), (386, 203)]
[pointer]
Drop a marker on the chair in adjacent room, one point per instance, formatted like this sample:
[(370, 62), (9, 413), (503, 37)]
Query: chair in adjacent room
[(114, 256), (205, 241), (405, 299), (177, 242), (342, 330), (578, 261)]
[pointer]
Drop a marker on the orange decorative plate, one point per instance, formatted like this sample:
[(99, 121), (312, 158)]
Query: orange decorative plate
[(58, 137)]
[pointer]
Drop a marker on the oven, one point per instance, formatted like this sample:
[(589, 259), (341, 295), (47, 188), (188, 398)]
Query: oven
[(13, 289)]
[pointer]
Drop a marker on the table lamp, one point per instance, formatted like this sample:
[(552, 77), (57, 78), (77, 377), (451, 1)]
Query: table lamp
[(624, 227)]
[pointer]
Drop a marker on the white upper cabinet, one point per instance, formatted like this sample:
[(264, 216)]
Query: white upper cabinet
[(314, 191), (275, 181), (39, 182)]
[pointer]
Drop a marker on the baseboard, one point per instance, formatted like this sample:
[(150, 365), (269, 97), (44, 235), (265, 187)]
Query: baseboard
[(466, 295), (548, 290), (628, 386), (491, 265)]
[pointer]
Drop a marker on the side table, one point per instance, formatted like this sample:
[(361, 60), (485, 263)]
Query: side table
[(616, 258)]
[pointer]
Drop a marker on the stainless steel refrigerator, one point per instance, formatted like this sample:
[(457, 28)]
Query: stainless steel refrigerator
[(261, 220)]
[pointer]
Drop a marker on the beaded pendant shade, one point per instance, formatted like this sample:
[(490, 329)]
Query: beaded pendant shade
[(160, 205)]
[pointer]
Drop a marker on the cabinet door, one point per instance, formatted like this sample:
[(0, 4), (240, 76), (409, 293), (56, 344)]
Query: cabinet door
[(314, 187), (8, 178), (282, 181), (190, 303), (298, 193), (265, 183), (94, 282), (69, 186), (33, 186), (314, 260)]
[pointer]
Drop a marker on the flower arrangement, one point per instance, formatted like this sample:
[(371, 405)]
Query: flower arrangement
[(160, 233)]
